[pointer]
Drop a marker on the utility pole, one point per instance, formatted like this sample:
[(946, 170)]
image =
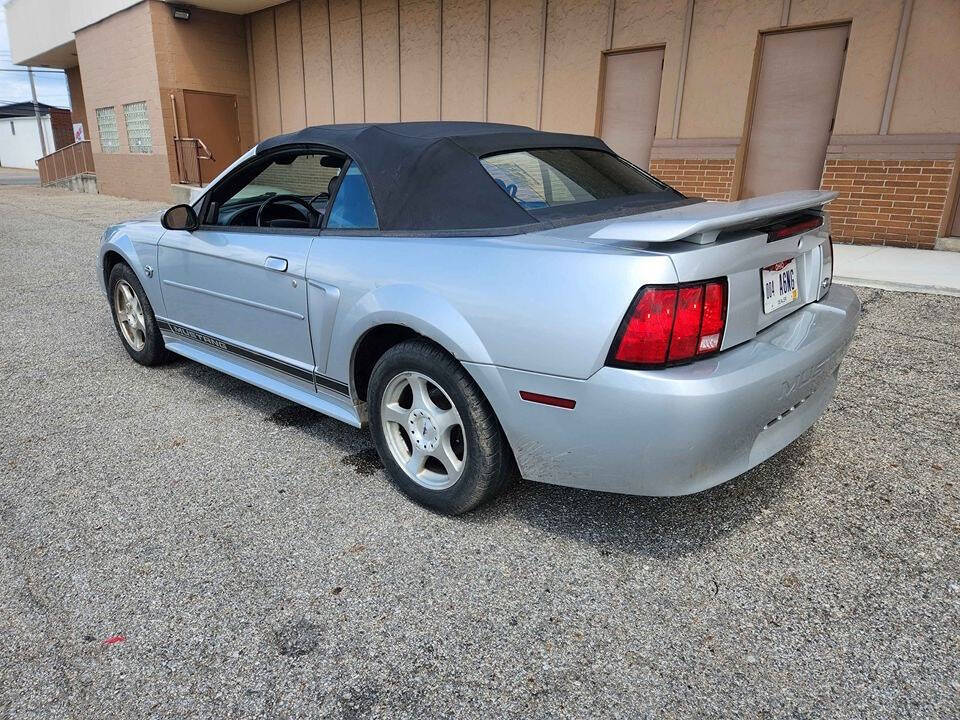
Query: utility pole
[(36, 111)]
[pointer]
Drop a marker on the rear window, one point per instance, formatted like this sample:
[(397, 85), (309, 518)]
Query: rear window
[(539, 179)]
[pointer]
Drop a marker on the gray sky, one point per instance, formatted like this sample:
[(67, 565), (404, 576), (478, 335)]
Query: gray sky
[(15, 86)]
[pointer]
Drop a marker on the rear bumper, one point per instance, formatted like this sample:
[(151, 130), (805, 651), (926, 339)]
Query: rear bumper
[(683, 429)]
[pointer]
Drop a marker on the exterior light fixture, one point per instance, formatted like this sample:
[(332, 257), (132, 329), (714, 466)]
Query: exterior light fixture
[(180, 12)]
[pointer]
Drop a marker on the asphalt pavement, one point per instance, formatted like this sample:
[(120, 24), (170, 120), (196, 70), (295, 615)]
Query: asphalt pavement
[(16, 176), (175, 543)]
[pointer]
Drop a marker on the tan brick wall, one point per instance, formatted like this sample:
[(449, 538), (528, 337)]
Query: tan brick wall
[(119, 66), (887, 202), (710, 179), (209, 54), (137, 176), (143, 54)]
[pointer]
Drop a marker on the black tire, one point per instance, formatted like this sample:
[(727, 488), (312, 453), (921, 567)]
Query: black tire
[(488, 461), (153, 351)]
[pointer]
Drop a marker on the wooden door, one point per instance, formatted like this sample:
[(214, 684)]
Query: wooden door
[(212, 118), (793, 109), (630, 88)]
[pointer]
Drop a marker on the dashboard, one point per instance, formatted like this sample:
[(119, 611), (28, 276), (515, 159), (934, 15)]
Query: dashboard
[(243, 213)]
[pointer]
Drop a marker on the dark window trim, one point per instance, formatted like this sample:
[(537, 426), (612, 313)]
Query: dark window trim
[(253, 230)]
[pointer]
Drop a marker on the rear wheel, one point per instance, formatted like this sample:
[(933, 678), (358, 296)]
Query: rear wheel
[(133, 317), (435, 432)]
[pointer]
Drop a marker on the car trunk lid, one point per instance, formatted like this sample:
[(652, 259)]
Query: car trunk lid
[(736, 241)]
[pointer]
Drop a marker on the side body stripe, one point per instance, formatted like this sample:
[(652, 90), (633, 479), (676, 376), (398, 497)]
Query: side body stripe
[(327, 383)]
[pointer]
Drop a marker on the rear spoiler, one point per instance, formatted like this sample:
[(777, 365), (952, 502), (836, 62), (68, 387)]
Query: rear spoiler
[(702, 222)]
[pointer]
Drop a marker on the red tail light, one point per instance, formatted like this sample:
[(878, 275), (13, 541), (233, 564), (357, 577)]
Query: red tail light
[(686, 323), (672, 324), (714, 316), (646, 338), (785, 230)]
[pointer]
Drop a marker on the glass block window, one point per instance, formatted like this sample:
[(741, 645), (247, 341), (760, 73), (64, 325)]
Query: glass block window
[(138, 127), (107, 127)]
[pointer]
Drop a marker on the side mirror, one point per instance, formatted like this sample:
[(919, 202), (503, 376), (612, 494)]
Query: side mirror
[(180, 217)]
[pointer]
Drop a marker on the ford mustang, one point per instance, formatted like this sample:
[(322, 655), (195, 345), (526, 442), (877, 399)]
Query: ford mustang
[(492, 300)]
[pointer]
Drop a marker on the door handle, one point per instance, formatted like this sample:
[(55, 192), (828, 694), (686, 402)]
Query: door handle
[(275, 263)]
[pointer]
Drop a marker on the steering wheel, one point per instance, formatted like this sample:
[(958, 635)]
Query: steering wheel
[(312, 215)]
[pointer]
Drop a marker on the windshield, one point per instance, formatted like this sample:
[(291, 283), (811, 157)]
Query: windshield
[(564, 176)]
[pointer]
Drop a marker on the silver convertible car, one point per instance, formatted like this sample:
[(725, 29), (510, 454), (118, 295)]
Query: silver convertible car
[(490, 300)]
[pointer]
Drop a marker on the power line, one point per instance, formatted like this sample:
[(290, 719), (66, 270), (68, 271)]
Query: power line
[(27, 101), (54, 72)]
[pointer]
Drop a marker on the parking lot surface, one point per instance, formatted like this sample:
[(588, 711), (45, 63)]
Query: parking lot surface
[(16, 176), (175, 543)]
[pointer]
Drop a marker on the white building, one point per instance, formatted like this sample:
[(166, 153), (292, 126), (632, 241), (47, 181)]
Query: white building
[(20, 145)]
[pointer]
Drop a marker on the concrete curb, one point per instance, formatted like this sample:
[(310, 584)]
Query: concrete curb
[(896, 286)]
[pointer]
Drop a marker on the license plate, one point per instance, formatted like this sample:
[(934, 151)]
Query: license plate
[(779, 285)]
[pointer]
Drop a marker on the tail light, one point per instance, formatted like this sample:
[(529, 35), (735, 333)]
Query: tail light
[(671, 324), (794, 226)]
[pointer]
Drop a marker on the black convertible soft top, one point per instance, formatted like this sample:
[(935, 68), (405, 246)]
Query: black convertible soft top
[(426, 176)]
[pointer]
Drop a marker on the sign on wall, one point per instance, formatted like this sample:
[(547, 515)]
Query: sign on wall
[(78, 132)]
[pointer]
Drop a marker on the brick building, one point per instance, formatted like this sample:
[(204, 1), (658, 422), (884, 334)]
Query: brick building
[(722, 98)]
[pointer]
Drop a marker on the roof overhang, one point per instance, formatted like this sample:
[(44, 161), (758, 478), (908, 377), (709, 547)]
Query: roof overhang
[(62, 56), (42, 31)]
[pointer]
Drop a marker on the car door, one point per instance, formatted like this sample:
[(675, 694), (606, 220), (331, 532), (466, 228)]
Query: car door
[(351, 210), (237, 285)]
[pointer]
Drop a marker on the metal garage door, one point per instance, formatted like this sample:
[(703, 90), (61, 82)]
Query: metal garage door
[(631, 96), (793, 110)]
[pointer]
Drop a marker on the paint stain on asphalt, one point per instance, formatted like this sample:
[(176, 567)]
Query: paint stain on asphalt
[(365, 462)]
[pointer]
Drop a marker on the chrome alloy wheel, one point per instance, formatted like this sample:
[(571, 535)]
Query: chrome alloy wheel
[(126, 305), (423, 430)]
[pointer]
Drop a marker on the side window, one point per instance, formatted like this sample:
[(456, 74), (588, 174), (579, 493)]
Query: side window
[(302, 179), (545, 178), (353, 206), (305, 176)]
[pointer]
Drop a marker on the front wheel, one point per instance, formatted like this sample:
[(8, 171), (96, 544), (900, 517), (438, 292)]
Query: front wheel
[(133, 317), (435, 432)]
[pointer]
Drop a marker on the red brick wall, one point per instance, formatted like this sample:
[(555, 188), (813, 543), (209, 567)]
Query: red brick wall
[(62, 125), (710, 179), (887, 202)]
